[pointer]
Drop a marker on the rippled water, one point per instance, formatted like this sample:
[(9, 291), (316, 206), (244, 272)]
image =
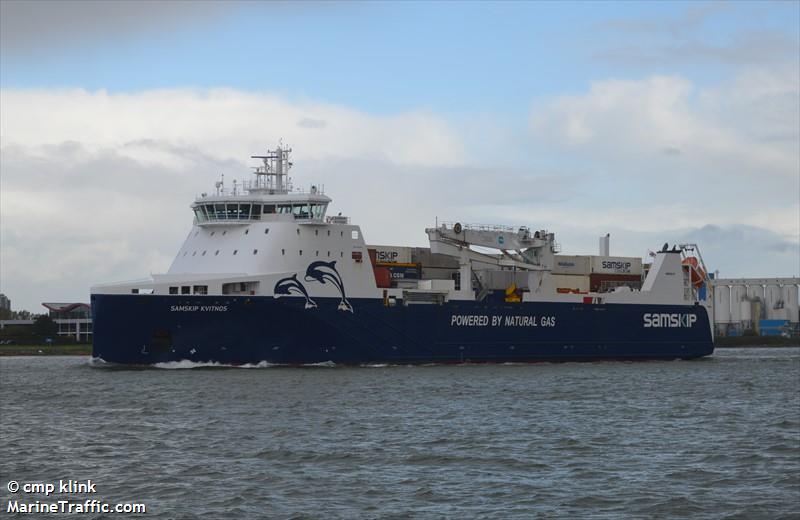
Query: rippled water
[(712, 438)]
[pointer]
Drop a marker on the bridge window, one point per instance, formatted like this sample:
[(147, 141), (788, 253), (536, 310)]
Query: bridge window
[(219, 211), (354, 234), (284, 209), (256, 214), (173, 290), (185, 289), (269, 208), (200, 289), (232, 212), (318, 210)]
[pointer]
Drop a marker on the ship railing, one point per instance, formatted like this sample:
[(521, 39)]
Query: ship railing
[(337, 219), (483, 227)]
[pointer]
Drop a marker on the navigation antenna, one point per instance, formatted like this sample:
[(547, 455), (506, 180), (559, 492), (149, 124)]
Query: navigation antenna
[(273, 175)]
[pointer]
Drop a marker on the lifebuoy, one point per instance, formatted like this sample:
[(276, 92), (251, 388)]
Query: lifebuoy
[(457, 228)]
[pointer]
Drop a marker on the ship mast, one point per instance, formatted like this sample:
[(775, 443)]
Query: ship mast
[(273, 175)]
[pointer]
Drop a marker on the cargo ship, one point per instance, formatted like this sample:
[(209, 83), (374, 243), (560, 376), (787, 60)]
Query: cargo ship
[(267, 276)]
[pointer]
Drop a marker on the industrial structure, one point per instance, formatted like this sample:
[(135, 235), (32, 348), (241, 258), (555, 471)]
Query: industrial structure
[(764, 306)]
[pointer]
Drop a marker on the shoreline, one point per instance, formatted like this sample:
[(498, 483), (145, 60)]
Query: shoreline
[(82, 349)]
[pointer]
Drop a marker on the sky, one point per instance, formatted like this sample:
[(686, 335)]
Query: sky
[(654, 122)]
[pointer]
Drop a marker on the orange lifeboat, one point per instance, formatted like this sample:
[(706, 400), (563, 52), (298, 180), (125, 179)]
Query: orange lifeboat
[(697, 273)]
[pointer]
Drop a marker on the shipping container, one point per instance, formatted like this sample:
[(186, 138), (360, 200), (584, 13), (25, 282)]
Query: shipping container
[(617, 265), (392, 254), (575, 283), (773, 327), (383, 278), (572, 265), (601, 282), (403, 271)]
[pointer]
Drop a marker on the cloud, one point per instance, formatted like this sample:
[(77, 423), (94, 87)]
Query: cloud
[(703, 33), (28, 27), (663, 146)]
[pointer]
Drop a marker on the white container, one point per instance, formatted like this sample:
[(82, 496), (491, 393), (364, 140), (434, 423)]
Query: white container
[(616, 265), (722, 304), (572, 265), (392, 254)]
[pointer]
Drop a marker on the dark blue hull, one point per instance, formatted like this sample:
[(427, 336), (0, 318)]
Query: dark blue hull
[(148, 329)]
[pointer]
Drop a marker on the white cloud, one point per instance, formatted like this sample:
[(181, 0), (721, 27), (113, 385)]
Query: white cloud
[(671, 151), (221, 123)]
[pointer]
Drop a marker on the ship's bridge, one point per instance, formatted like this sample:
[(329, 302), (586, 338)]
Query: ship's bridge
[(268, 197), (241, 209)]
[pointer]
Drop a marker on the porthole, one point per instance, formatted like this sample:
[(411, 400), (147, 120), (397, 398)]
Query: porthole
[(329, 232), (212, 233), (266, 230), (329, 254), (301, 252), (298, 231), (185, 252), (341, 233), (316, 232), (283, 251), (224, 232), (216, 252), (255, 251), (235, 251), (317, 253), (246, 231), (204, 253), (194, 254), (341, 254)]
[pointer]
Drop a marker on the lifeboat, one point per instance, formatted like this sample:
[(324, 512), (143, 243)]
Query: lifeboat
[(697, 273)]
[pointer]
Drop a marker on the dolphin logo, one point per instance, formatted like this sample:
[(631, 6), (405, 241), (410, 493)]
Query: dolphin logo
[(324, 272), (290, 285)]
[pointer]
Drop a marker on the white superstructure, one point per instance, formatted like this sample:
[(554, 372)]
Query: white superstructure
[(255, 238)]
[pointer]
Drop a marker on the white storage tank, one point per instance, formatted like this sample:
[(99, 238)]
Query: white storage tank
[(746, 310), (737, 295), (790, 302), (774, 302), (755, 292), (722, 304)]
